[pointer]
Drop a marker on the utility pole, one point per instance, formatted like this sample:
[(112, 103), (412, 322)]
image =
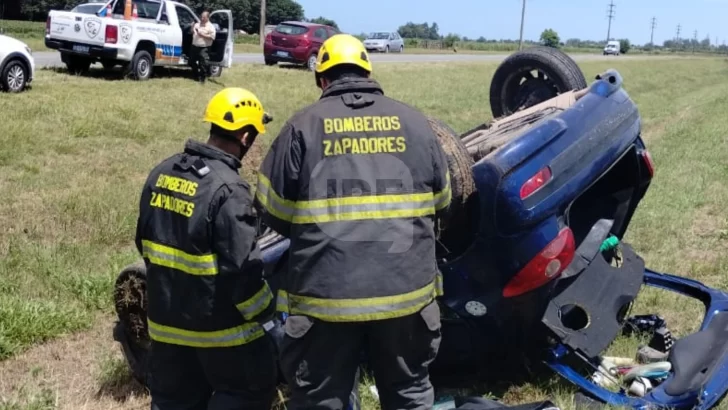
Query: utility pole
[(677, 37), (610, 16), (523, 18), (695, 40), (652, 33), (262, 22)]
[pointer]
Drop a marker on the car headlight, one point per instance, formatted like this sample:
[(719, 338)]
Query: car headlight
[(28, 50)]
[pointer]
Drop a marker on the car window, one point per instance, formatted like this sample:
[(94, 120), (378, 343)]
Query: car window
[(396, 36), (87, 8), (185, 17), (378, 36), (291, 29), (145, 9), (333, 31), (320, 33)]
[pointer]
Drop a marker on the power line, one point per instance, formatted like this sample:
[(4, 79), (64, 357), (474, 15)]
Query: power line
[(523, 18), (610, 16), (652, 32)]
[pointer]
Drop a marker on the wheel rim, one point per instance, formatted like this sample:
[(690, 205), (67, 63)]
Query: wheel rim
[(312, 62), (528, 87), (143, 68), (16, 78)]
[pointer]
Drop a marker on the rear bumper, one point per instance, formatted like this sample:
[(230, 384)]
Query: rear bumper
[(95, 52), (285, 55), (699, 378)]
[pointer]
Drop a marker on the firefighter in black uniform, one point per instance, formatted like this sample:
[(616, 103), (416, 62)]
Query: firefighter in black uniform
[(208, 304), (356, 181)]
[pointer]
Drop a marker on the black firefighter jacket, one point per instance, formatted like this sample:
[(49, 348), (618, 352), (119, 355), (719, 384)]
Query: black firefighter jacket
[(355, 181), (196, 232)]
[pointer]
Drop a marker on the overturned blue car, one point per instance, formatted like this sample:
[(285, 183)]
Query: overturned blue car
[(532, 259)]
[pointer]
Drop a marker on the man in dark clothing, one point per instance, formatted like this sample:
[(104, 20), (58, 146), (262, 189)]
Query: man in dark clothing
[(355, 181), (208, 305)]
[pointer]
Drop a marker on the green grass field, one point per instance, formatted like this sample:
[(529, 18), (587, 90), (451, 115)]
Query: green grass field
[(75, 152)]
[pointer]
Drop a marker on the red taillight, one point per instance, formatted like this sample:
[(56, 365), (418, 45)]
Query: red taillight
[(536, 182), (112, 34), (48, 25), (547, 265), (304, 41), (647, 158)]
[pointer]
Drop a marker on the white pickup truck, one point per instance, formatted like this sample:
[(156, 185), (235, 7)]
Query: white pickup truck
[(159, 33)]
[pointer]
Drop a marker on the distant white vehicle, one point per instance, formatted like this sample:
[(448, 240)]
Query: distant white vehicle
[(612, 47), (384, 42), (17, 66)]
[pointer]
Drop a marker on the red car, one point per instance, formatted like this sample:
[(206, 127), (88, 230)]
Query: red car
[(296, 42)]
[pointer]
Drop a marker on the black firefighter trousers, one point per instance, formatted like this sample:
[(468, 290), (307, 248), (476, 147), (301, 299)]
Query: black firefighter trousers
[(226, 378), (319, 360)]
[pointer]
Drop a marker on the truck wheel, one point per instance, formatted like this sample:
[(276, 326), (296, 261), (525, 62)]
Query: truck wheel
[(77, 65), (141, 66), (215, 71), (530, 77), (458, 228)]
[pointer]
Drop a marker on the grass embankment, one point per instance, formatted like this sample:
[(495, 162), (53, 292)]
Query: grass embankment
[(75, 152)]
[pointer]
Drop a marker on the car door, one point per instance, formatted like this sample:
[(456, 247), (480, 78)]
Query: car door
[(399, 41), (185, 20), (319, 36), (225, 34)]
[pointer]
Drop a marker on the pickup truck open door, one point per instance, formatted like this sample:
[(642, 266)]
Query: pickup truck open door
[(221, 52)]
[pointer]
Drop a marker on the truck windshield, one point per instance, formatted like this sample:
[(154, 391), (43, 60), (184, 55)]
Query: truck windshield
[(291, 29), (146, 9)]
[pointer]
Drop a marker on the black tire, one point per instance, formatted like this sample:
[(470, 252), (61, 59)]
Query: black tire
[(456, 231), (142, 66), (386, 49), (311, 62), (14, 77), (401, 49), (215, 71), (557, 73), (109, 64), (268, 61), (78, 65)]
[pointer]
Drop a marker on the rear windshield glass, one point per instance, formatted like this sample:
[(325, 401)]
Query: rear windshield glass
[(291, 29), (145, 9)]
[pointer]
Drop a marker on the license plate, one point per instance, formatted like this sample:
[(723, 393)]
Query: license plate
[(80, 49), (282, 53)]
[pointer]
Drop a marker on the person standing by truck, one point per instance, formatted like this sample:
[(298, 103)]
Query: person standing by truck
[(355, 181), (203, 34), (209, 307)]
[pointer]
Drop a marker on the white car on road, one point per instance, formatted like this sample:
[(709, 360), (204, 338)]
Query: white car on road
[(384, 42), (16, 65)]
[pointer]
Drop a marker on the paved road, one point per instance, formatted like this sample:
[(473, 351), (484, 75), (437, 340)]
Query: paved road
[(46, 58)]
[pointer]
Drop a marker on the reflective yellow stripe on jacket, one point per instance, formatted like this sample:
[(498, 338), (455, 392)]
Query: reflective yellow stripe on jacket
[(235, 336), (355, 310), (173, 258), (350, 208), (256, 304)]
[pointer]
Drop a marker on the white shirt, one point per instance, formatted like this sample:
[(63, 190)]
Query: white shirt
[(207, 29)]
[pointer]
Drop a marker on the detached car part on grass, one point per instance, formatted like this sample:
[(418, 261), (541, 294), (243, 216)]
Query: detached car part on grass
[(535, 194)]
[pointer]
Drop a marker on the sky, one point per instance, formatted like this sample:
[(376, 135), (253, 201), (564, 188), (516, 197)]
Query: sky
[(501, 19)]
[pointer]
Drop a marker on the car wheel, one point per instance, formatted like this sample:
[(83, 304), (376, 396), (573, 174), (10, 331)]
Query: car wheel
[(109, 64), (401, 49), (457, 230), (530, 77), (270, 62), (312, 62), (14, 77), (386, 49), (215, 71), (142, 66), (78, 65)]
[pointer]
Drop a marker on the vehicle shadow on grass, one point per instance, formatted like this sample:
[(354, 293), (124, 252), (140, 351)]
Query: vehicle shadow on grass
[(117, 74), (121, 387)]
